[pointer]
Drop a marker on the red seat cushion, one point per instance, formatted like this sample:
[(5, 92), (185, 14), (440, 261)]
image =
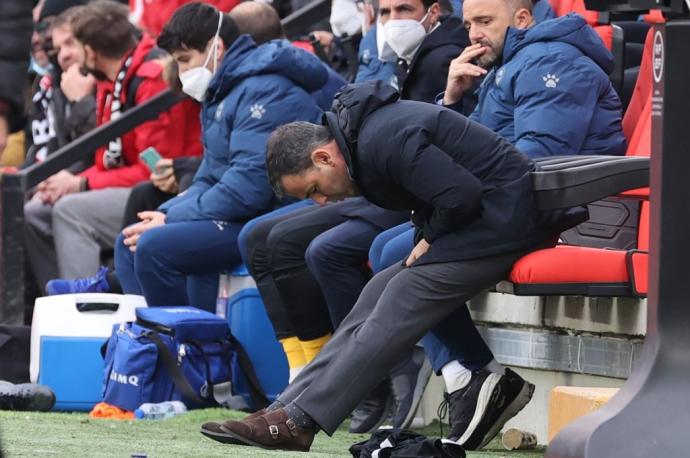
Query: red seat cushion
[(639, 266), (571, 264)]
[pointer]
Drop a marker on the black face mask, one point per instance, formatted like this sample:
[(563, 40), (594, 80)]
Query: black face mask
[(99, 75)]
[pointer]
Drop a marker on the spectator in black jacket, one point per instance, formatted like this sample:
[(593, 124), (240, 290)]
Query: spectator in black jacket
[(15, 40), (426, 39), (64, 102)]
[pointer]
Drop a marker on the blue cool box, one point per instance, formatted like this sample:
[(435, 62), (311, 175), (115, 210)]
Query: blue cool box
[(73, 368), (250, 325)]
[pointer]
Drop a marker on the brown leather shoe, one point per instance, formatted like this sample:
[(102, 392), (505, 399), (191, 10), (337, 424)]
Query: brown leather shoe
[(213, 430), (273, 431)]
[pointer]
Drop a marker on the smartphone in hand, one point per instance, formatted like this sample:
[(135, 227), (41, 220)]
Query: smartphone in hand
[(150, 158)]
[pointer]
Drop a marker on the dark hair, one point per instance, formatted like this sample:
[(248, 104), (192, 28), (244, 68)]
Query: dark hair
[(259, 20), (289, 148), (104, 26), (67, 17), (446, 6), (193, 25)]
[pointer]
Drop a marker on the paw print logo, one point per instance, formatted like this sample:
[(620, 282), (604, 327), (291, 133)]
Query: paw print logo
[(551, 80), (257, 111)]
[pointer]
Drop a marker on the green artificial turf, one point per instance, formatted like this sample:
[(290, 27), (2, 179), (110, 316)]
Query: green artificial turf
[(76, 435)]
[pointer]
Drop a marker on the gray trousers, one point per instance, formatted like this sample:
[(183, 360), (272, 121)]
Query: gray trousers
[(396, 308), (65, 240)]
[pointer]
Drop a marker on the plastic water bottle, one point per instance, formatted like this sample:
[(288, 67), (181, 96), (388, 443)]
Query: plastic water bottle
[(160, 411)]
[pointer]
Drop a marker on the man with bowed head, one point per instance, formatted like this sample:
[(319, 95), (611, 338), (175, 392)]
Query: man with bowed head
[(470, 191)]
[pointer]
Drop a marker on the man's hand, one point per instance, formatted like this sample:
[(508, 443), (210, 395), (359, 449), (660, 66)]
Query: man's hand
[(462, 73), (164, 177), (149, 220), (76, 86), (417, 252), (57, 186), (324, 38)]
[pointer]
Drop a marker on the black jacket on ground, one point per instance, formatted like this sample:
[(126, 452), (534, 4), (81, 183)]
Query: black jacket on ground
[(427, 73), (469, 189), (15, 45)]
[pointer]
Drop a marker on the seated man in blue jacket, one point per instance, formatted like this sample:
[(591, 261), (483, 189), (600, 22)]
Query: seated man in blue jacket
[(174, 255)]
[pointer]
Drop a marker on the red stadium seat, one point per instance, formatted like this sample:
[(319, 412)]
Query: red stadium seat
[(577, 270)]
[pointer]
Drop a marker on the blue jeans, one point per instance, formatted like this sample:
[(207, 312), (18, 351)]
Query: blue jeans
[(391, 246), (453, 339), (179, 263)]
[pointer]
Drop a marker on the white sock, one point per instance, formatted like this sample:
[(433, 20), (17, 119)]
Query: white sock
[(456, 376), (495, 367), (294, 372)]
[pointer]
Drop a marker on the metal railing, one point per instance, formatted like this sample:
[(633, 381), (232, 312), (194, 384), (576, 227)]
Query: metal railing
[(14, 187)]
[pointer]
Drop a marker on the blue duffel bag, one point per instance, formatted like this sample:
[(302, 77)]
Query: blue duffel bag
[(176, 353)]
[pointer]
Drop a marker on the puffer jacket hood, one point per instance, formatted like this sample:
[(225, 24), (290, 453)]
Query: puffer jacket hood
[(571, 29), (277, 57), (351, 107)]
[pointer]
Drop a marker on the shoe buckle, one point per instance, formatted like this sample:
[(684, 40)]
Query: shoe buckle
[(291, 426), (273, 431)]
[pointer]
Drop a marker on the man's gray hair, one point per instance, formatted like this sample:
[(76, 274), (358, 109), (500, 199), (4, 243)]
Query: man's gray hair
[(289, 149)]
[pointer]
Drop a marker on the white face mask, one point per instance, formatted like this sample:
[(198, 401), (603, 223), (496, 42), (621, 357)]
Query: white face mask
[(346, 18), (195, 81), (404, 36), (386, 53)]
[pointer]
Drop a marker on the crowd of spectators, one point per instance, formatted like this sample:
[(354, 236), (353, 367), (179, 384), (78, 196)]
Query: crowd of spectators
[(521, 76)]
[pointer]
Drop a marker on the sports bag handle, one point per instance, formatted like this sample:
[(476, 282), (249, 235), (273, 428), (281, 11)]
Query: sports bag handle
[(174, 371), (255, 390)]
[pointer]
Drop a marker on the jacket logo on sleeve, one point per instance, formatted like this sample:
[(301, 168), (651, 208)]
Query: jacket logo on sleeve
[(551, 80), (257, 111), (218, 115)]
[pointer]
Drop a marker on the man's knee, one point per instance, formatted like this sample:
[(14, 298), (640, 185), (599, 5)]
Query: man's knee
[(151, 247), (67, 209), (35, 211), (285, 244), (320, 253), (253, 235)]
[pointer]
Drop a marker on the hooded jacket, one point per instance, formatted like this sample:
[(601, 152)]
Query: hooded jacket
[(370, 66), (426, 74), (469, 189), (551, 93), (173, 133), (255, 90)]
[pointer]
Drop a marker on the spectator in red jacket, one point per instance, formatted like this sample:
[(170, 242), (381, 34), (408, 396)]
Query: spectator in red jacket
[(152, 15), (73, 217)]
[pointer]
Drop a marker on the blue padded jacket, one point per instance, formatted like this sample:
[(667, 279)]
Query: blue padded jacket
[(255, 90), (551, 93)]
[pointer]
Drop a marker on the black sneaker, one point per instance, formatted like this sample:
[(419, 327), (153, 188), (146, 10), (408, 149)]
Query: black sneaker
[(373, 410), (408, 382), (26, 396), (479, 411)]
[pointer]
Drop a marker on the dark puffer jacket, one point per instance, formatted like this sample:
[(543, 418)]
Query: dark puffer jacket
[(470, 190)]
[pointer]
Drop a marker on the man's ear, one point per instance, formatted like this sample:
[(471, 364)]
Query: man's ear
[(434, 13), (523, 18), (221, 52), (321, 157)]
